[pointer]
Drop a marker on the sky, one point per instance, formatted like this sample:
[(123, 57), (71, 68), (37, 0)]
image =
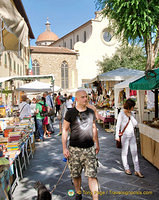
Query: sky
[(64, 15)]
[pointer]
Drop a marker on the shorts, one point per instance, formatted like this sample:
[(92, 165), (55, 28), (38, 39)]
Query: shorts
[(45, 122), (82, 158)]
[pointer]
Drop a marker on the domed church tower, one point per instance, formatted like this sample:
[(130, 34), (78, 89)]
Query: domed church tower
[(47, 37)]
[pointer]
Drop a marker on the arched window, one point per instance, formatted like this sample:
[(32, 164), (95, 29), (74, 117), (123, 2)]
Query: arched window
[(64, 75), (85, 37), (77, 38), (35, 68), (70, 43)]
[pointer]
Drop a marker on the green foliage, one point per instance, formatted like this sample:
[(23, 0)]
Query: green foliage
[(132, 57), (134, 18)]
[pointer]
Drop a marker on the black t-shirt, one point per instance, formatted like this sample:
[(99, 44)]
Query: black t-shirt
[(81, 124)]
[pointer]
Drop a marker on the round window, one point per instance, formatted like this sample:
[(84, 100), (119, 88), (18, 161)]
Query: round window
[(107, 36)]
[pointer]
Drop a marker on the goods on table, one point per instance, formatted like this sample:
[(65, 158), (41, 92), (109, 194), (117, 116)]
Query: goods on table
[(154, 123)]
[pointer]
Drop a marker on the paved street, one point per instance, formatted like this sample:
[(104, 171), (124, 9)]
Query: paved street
[(47, 166)]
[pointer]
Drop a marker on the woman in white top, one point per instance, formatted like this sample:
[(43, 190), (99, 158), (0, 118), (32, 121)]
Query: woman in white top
[(69, 102), (24, 108), (128, 138)]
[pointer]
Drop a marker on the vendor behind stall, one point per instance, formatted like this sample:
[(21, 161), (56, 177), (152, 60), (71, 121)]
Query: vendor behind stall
[(24, 108)]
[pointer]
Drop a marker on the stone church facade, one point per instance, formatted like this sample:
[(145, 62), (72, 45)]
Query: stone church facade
[(59, 61), (92, 41), (85, 47)]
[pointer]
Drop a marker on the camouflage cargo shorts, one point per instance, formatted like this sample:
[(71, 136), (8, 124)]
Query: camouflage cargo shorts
[(83, 158)]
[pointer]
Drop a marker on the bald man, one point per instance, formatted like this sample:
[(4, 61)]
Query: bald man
[(83, 144)]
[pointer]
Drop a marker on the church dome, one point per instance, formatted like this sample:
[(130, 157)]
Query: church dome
[(47, 37)]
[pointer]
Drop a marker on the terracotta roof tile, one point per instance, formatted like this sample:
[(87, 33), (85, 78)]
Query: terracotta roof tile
[(48, 49)]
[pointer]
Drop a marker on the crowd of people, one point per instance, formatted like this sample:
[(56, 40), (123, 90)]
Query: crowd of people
[(77, 119)]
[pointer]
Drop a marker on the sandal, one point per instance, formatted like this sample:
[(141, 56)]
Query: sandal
[(128, 172), (139, 174)]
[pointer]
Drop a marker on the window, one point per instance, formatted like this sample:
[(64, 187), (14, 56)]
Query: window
[(18, 69), (77, 38), (10, 64), (85, 36), (64, 75), (21, 70), (5, 61), (107, 36), (14, 66), (70, 43), (35, 68), (64, 44)]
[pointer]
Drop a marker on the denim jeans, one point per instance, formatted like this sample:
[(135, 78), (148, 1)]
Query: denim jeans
[(40, 128)]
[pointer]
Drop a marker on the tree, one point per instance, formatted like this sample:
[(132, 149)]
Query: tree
[(132, 57), (135, 19)]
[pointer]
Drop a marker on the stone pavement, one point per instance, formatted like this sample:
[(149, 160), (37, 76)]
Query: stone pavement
[(47, 166)]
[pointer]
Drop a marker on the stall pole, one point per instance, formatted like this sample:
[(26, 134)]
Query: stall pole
[(156, 103)]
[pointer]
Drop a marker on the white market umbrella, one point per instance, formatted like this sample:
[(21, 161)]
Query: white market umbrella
[(37, 86)]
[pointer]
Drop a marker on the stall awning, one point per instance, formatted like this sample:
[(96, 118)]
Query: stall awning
[(27, 78), (149, 82), (119, 74), (37, 86), (13, 28)]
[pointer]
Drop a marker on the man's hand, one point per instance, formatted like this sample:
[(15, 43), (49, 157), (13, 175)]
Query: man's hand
[(97, 149), (66, 153)]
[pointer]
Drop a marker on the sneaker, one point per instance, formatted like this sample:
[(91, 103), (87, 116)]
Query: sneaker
[(78, 196), (59, 134)]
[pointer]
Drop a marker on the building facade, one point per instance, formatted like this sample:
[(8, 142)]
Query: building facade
[(59, 61), (14, 62), (91, 41)]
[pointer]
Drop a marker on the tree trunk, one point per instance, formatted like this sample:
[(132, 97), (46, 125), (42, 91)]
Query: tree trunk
[(150, 55)]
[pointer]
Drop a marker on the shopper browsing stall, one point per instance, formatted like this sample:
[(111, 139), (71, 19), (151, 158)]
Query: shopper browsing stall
[(24, 108), (126, 119), (39, 118)]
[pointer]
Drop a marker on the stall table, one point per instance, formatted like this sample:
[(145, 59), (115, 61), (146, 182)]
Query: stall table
[(149, 140), (106, 120)]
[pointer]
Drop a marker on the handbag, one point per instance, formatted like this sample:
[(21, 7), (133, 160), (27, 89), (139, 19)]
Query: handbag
[(51, 112), (59, 116), (118, 143)]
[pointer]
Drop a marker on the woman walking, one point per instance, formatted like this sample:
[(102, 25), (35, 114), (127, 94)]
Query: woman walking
[(128, 139)]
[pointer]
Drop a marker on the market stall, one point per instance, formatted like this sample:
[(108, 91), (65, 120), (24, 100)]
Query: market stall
[(149, 130), (17, 145), (14, 96), (121, 86), (109, 79)]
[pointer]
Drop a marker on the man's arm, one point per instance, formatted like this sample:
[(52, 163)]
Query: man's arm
[(66, 126), (95, 137)]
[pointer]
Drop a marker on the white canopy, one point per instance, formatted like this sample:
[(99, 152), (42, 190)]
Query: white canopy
[(88, 90), (37, 86), (13, 27), (119, 74)]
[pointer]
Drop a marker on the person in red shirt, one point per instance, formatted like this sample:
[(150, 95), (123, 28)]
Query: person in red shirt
[(58, 103)]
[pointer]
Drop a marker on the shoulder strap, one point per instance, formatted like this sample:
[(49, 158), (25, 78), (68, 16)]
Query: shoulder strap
[(42, 104), (22, 108), (125, 126)]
